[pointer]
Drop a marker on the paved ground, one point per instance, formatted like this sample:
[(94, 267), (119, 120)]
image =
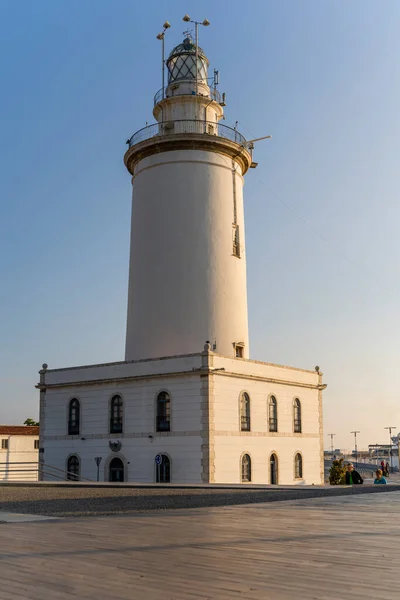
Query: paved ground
[(333, 548), (78, 500)]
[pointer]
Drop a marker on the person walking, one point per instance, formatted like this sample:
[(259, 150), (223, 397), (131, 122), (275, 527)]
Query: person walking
[(379, 477), (387, 469), (382, 465), (353, 477)]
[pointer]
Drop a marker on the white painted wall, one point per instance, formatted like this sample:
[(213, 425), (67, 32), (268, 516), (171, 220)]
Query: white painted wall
[(21, 449), (185, 285), (230, 443), (184, 443)]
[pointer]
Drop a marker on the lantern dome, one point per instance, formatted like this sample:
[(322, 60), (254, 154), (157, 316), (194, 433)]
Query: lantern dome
[(181, 62)]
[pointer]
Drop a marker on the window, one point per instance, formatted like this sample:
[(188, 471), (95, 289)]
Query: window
[(244, 412), (74, 411), (297, 415), (36, 444), (273, 469), (272, 414), (298, 466), (4, 444), (116, 414), (163, 470), (163, 417), (73, 468), (246, 468), (235, 240), (239, 348)]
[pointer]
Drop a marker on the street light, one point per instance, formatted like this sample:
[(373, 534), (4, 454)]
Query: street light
[(332, 435), (206, 23), (390, 446), (355, 443), (161, 37)]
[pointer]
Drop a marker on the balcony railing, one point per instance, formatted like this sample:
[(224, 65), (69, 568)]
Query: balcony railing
[(187, 126), (244, 423), (273, 424), (163, 424), (161, 94)]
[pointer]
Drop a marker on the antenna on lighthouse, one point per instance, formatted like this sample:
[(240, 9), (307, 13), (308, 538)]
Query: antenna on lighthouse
[(161, 37)]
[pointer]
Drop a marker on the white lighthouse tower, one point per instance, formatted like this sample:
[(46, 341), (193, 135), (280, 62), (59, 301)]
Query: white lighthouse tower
[(187, 279), (187, 405)]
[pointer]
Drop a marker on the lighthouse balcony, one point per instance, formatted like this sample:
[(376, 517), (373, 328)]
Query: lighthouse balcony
[(189, 127), (172, 91)]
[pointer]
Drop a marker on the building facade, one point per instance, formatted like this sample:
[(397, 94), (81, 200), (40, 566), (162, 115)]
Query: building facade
[(19, 453), (187, 405)]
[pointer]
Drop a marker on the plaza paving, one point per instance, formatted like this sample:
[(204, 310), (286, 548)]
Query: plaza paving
[(318, 548)]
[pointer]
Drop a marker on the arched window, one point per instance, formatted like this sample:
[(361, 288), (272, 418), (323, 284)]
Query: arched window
[(273, 469), (116, 414), (246, 468), (297, 415), (163, 469), (244, 412), (298, 466), (163, 417), (74, 411), (272, 414), (73, 468), (116, 470)]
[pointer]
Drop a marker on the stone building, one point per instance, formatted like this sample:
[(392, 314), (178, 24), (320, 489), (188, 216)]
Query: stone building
[(19, 453), (187, 405)]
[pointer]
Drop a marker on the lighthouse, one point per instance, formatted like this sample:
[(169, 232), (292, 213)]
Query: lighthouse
[(187, 274), (187, 405)]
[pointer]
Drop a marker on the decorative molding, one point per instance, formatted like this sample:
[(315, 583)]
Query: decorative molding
[(269, 434), (108, 380), (137, 435), (185, 141), (115, 446)]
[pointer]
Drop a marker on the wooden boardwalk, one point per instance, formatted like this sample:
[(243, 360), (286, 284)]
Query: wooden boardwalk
[(323, 548)]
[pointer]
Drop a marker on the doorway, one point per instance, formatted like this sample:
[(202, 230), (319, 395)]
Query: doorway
[(273, 469), (163, 470), (116, 470)]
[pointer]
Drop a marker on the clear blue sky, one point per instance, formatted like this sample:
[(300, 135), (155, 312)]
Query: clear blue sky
[(322, 209)]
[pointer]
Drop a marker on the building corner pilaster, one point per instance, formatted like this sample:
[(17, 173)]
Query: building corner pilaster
[(207, 416), (321, 387)]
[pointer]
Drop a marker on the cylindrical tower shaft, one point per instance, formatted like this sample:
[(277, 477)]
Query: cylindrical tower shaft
[(187, 276)]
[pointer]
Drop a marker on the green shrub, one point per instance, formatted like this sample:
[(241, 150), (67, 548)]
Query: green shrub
[(337, 473)]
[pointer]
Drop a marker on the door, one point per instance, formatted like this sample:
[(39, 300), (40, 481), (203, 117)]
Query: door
[(116, 470), (273, 477), (163, 470)]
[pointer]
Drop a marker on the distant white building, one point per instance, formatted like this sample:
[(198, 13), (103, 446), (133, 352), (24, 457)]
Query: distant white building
[(19, 453), (181, 408)]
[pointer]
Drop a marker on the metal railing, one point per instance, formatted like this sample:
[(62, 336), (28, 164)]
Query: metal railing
[(189, 126), (161, 94), (29, 471)]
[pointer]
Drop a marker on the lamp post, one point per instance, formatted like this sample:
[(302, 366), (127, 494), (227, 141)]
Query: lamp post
[(355, 443), (206, 23), (332, 435), (390, 446), (161, 36)]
